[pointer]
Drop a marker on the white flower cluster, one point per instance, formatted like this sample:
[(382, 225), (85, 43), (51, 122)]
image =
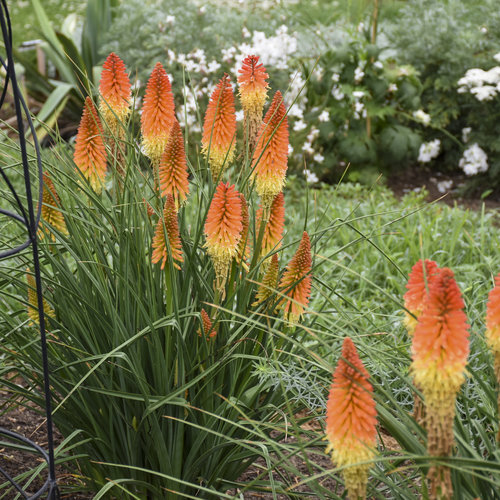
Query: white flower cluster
[(483, 85), (429, 150), (422, 117), (359, 106), (474, 160), (311, 137)]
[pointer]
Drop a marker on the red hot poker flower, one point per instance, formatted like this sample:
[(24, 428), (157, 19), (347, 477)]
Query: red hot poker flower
[(440, 349), (208, 330), (219, 129), (90, 153), (418, 284), (296, 281), (50, 211), (115, 90), (167, 228), (223, 230), (273, 232), (351, 420), (158, 114), (270, 159), (269, 282), (173, 171), (33, 302)]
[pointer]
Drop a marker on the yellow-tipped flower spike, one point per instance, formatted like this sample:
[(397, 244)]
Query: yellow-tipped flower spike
[(33, 302), (493, 332), (158, 114), (296, 281), (273, 232), (269, 282), (223, 229), (243, 246), (351, 420), (219, 129), (270, 159), (173, 172), (115, 90), (50, 211), (208, 330), (418, 283), (168, 228), (439, 350), (253, 94), (90, 153)]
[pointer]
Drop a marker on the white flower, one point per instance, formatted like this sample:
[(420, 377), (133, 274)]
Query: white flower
[(170, 20), (335, 77), (299, 125), (421, 116), (429, 150), (378, 65), (466, 133), (307, 148), (239, 115), (311, 177), (324, 116), (392, 87), (474, 160), (296, 111), (358, 94), (245, 32), (318, 158), (358, 74), (290, 149), (484, 93), (443, 186), (337, 93), (213, 66), (497, 57)]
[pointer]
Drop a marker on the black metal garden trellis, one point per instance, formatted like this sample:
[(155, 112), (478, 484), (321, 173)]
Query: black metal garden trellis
[(31, 221)]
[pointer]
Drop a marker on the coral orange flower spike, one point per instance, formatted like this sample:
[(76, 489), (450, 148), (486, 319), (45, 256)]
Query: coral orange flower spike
[(273, 232), (208, 329), (253, 94), (439, 350), (115, 90), (493, 331), (173, 171), (351, 420), (50, 213), (418, 284), (270, 159), (223, 229), (169, 227), (90, 153), (158, 114), (219, 129), (296, 281)]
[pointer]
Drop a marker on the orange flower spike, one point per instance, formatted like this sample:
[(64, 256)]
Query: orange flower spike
[(351, 420), (253, 86), (418, 284), (158, 114), (269, 282), (33, 302), (169, 225), (173, 173), (50, 213), (296, 281), (243, 247), (270, 159), (439, 350), (223, 229), (207, 324), (219, 129), (493, 331), (115, 90), (90, 153), (273, 232)]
